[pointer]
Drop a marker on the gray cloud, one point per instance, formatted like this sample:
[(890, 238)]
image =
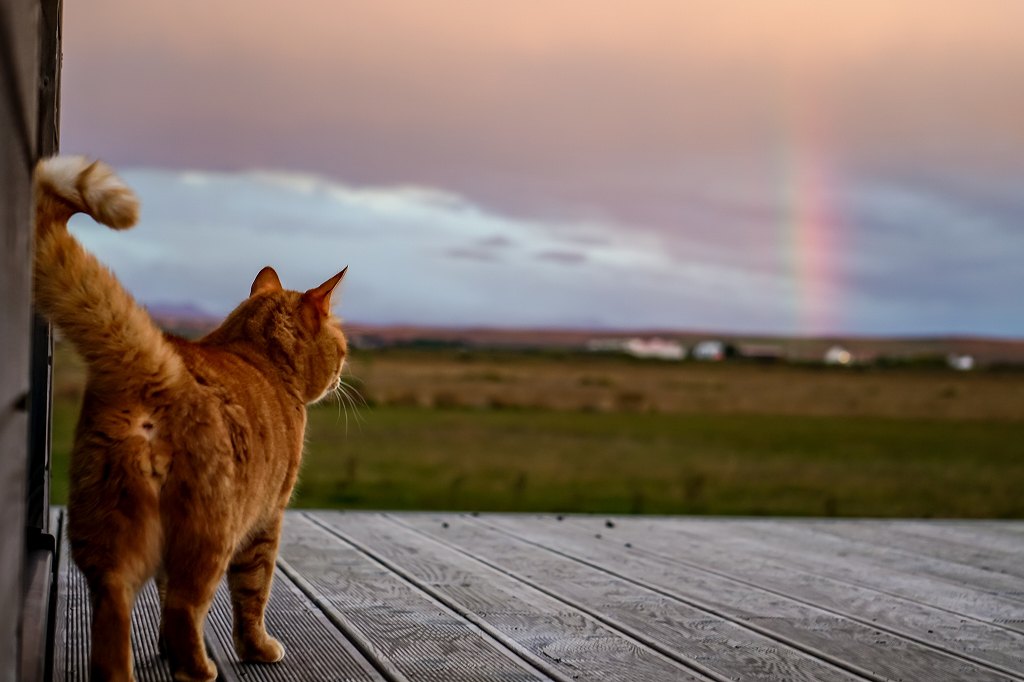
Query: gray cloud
[(566, 257), (497, 241), (204, 236), (472, 254), (916, 263)]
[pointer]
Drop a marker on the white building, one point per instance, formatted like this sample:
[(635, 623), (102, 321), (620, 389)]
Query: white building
[(658, 349), (961, 363), (837, 355), (709, 351)]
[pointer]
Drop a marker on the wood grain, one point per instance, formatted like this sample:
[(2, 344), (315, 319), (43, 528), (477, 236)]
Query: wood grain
[(409, 634), (715, 546), (460, 598), (977, 546), (532, 623), (314, 648), (956, 587), (720, 646), (836, 637)]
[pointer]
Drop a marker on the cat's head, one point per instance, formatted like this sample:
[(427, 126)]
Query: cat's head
[(296, 331)]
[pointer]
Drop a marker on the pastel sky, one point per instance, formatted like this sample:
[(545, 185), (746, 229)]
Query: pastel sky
[(788, 166)]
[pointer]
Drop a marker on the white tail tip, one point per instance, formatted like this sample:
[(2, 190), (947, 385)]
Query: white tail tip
[(90, 187)]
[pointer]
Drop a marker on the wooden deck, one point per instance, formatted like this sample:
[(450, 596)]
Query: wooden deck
[(465, 597)]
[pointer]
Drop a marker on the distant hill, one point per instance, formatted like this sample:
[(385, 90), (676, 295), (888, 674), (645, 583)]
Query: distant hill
[(185, 319), (985, 350), (190, 320)]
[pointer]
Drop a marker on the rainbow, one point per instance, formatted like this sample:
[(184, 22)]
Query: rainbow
[(811, 225)]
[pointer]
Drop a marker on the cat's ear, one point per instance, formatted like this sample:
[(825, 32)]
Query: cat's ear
[(320, 298), (266, 281)]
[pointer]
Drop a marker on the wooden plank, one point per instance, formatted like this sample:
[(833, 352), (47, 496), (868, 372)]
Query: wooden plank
[(804, 626), (717, 646), (980, 533), (954, 587), (1010, 529), (408, 634), (314, 648), (971, 531), (548, 632), (977, 546), (712, 546), (876, 564)]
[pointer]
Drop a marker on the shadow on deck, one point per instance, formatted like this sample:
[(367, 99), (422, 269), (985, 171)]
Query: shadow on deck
[(452, 597)]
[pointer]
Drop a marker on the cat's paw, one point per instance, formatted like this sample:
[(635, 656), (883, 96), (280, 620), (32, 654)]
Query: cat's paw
[(266, 650), (204, 673)]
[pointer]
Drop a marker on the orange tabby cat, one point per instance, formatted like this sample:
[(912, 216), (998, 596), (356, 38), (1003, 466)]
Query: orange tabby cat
[(186, 452)]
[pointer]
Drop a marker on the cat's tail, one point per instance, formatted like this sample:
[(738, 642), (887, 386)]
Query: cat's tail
[(115, 335)]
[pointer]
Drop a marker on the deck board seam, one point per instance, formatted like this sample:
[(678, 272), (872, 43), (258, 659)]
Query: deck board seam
[(351, 633), (874, 588), (638, 545), (697, 604), (892, 630), (920, 554), (969, 543), (937, 578), (622, 629), (512, 649), (231, 668)]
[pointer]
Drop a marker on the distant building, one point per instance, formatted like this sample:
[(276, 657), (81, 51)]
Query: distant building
[(961, 363), (837, 355), (659, 349), (709, 351)]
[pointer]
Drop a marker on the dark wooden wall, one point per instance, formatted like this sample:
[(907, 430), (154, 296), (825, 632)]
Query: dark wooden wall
[(29, 91)]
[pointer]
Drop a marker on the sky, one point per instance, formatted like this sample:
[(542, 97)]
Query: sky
[(782, 167)]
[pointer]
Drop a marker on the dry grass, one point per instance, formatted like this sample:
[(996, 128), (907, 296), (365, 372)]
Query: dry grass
[(611, 384)]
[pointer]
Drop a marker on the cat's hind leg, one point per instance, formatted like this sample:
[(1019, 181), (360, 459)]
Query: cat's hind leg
[(193, 568), (112, 599), (115, 572), (250, 575), (115, 543)]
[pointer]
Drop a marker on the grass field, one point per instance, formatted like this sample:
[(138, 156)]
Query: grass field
[(506, 431)]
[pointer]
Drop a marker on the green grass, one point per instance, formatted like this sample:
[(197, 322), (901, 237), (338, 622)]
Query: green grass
[(408, 458), (459, 457)]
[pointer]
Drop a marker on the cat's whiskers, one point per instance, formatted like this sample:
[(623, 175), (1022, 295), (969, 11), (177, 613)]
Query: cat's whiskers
[(336, 394), (351, 397), (346, 395), (356, 394)]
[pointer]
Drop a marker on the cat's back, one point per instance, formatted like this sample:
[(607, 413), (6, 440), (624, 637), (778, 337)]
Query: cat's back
[(223, 376), (239, 390), (211, 366)]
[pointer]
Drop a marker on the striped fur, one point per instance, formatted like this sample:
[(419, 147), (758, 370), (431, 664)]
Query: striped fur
[(186, 452)]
